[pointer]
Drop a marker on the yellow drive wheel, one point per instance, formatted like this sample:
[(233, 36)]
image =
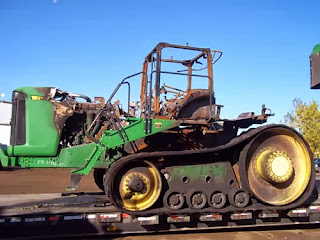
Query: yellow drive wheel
[(279, 166), (138, 185)]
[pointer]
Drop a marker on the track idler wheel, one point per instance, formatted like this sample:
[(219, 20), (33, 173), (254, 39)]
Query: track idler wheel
[(278, 166), (134, 186)]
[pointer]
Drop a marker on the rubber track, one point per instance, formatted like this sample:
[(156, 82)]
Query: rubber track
[(245, 136)]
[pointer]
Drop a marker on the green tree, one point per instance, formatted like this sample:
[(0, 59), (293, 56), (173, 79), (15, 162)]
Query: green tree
[(305, 118)]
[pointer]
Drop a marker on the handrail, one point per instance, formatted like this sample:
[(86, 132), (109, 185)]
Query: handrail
[(108, 103), (122, 82)]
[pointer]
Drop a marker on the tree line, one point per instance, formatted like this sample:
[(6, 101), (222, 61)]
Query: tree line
[(305, 118)]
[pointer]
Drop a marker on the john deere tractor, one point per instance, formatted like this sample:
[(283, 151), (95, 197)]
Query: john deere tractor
[(315, 67), (169, 151)]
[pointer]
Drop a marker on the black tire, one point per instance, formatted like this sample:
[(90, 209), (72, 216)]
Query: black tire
[(98, 177)]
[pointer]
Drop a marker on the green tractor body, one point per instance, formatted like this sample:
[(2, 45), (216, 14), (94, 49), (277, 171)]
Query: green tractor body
[(38, 127)]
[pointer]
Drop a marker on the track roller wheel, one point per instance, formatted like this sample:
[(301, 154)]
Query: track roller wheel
[(196, 199), (134, 185), (238, 198), (278, 166), (173, 200), (217, 200)]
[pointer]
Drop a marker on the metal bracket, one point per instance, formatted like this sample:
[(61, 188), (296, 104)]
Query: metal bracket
[(74, 181)]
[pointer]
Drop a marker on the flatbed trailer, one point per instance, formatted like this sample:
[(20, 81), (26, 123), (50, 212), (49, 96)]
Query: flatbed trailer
[(90, 214)]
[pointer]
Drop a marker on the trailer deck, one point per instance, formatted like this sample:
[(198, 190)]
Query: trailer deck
[(58, 215)]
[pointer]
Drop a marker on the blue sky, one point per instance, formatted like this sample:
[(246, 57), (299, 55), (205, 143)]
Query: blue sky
[(88, 46)]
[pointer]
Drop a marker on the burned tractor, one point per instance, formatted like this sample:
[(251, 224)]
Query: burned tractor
[(168, 152)]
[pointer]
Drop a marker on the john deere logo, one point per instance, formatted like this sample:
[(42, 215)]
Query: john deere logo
[(158, 125), (37, 98)]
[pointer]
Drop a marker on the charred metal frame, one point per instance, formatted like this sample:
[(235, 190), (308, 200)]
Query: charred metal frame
[(150, 103), (146, 97)]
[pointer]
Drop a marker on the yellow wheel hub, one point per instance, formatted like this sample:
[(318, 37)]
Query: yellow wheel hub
[(140, 187), (274, 166), (279, 167)]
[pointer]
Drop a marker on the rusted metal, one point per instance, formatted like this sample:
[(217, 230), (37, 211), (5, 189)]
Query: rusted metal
[(101, 100), (62, 112), (189, 76), (171, 108), (210, 83), (157, 83), (143, 92)]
